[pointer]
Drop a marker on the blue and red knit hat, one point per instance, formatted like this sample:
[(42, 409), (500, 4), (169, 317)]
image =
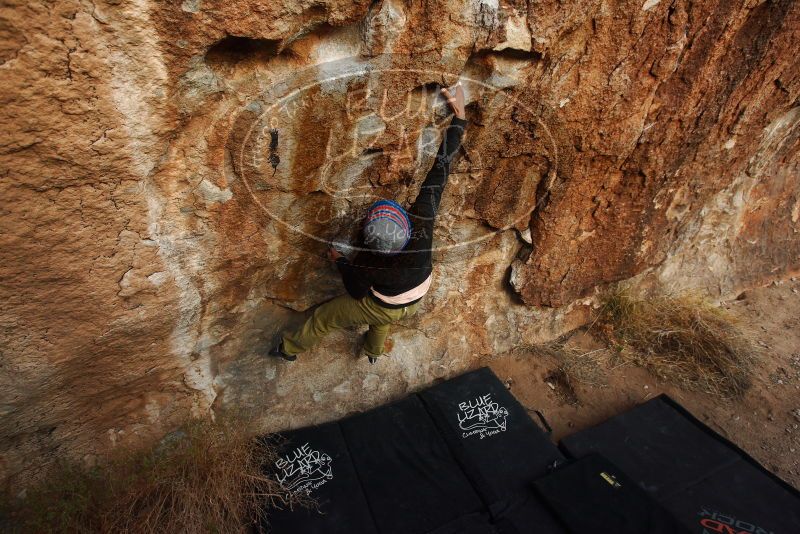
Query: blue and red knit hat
[(387, 228)]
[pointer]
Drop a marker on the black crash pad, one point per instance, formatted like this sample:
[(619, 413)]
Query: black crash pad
[(315, 461), (656, 446), (491, 434), (409, 476), (475, 523), (740, 498), (527, 514), (707, 482), (592, 495)]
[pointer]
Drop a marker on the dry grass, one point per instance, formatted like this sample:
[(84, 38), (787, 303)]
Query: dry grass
[(574, 367), (686, 340), (208, 477), (584, 367)]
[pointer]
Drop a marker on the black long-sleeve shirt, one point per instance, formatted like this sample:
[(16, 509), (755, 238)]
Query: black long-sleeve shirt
[(393, 275)]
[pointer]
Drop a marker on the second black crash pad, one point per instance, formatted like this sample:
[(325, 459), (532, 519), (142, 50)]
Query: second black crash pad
[(591, 495), (527, 513), (315, 463), (655, 445), (704, 480), (491, 434), (740, 498), (411, 480)]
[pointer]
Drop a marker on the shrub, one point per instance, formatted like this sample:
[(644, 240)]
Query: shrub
[(681, 339), (206, 477)]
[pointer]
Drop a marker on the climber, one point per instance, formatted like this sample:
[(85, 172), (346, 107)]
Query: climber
[(387, 278)]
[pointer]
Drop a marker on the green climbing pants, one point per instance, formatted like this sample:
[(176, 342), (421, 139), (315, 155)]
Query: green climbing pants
[(342, 312)]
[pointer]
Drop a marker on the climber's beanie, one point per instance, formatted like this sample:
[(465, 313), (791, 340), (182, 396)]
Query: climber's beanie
[(387, 228)]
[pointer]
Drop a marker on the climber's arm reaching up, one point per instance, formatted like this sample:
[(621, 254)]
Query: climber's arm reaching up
[(427, 203), (359, 275)]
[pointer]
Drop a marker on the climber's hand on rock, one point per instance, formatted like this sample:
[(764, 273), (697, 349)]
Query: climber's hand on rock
[(456, 102), (333, 254)]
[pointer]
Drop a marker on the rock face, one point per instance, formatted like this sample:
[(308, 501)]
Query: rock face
[(172, 172)]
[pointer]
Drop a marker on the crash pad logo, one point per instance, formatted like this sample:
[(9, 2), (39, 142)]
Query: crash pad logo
[(482, 417), (714, 522), (304, 469)]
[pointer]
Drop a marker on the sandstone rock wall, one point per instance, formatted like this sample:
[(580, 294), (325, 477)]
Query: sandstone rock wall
[(150, 249)]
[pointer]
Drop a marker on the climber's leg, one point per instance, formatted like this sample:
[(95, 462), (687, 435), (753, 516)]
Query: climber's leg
[(340, 312), (378, 332), (376, 339)]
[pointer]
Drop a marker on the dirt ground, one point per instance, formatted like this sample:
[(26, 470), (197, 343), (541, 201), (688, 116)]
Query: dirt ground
[(765, 422)]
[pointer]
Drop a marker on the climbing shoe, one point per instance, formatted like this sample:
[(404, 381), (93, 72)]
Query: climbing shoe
[(387, 347), (277, 352)]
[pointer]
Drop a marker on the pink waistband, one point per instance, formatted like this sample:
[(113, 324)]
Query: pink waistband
[(409, 296)]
